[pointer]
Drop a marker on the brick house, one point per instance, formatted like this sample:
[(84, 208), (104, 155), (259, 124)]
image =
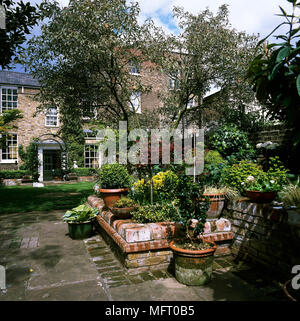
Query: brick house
[(18, 90)]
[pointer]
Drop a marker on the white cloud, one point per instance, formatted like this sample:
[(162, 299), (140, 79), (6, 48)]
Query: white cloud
[(256, 16)]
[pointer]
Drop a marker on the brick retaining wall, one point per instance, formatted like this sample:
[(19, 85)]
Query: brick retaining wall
[(146, 246), (265, 235)]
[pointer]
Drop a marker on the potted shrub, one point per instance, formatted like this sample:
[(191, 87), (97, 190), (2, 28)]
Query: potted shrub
[(114, 181), (193, 258), (80, 221), (217, 197), (123, 207), (262, 190)]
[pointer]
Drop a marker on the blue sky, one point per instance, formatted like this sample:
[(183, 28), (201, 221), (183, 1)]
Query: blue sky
[(255, 16)]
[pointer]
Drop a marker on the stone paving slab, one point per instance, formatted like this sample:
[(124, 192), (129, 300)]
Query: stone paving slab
[(59, 268)]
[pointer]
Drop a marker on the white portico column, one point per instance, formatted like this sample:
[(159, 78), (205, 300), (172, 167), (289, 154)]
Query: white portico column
[(40, 156)]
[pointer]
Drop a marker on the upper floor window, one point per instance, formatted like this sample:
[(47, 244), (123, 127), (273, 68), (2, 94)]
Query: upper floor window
[(135, 100), (9, 98), (174, 80), (191, 103), (134, 68), (52, 117), (9, 152)]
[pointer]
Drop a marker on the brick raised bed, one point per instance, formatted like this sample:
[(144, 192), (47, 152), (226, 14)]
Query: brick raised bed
[(146, 245)]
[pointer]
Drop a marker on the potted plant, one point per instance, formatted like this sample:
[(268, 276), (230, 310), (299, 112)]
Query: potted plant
[(217, 197), (123, 207), (114, 181), (193, 258), (80, 221), (290, 196), (261, 190)]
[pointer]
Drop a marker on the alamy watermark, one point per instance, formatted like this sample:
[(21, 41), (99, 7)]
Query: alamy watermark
[(153, 146), (296, 279), (2, 17), (2, 278)]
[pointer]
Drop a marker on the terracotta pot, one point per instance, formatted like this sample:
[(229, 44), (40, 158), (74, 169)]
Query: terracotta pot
[(216, 206), (261, 197), (110, 196), (290, 293), (122, 213), (193, 267)]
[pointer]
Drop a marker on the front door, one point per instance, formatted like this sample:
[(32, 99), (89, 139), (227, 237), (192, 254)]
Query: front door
[(51, 164)]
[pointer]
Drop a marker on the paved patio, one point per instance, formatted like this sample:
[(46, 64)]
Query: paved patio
[(44, 264)]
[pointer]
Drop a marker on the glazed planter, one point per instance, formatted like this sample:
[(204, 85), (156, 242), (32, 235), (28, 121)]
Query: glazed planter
[(122, 213), (290, 293), (193, 267), (216, 205), (261, 197), (110, 196), (80, 230)]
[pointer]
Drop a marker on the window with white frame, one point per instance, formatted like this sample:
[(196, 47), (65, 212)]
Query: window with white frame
[(191, 103), (91, 156), (51, 117), (134, 68), (9, 98), (135, 101), (173, 80), (9, 152)]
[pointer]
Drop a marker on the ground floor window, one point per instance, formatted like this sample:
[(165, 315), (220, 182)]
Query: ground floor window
[(9, 152), (91, 156)]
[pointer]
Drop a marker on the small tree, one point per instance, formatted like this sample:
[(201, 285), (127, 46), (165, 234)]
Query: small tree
[(30, 159)]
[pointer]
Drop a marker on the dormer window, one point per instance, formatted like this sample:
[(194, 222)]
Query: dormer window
[(9, 98)]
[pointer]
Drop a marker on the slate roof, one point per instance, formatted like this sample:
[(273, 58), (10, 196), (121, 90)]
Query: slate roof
[(18, 78)]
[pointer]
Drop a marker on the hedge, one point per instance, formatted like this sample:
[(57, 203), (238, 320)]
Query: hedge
[(83, 171), (14, 174)]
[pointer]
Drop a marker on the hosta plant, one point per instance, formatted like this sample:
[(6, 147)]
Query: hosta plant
[(81, 213)]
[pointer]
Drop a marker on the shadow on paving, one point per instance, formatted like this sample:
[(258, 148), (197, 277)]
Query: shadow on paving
[(48, 256)]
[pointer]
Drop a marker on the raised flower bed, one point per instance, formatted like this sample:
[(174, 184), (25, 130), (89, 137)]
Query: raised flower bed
[(146, 246)]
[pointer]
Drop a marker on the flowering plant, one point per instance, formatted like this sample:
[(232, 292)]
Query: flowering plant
[(272, 180), (262, 184)]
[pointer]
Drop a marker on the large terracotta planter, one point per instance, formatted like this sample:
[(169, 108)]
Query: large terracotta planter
[(261, 197), (216, 205), (110, 196), (122, 213), (193, 267)]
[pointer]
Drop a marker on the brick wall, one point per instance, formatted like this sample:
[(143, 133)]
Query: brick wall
[(265, 235), (276, 134)]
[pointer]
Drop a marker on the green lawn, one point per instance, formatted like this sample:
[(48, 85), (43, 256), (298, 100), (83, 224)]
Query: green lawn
[(21, 199)]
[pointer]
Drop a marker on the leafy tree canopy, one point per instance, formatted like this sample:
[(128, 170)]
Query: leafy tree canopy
[(82, 58), (20, 17), (207, 53), (275, 72)]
